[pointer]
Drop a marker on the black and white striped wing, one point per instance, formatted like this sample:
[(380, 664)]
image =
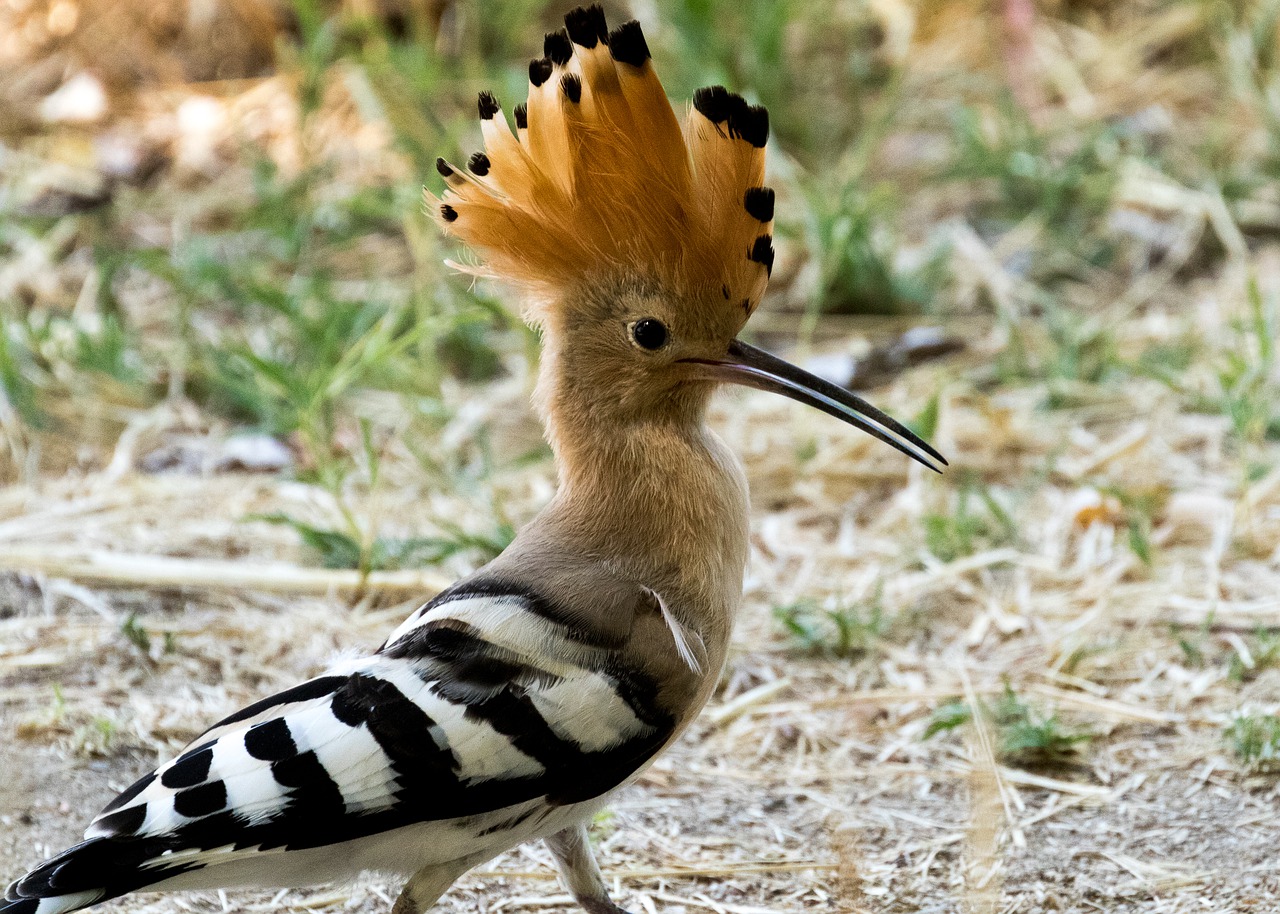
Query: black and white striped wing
[(485, 699)]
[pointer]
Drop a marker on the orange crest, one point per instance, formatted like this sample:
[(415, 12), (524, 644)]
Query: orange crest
[(600, 183)]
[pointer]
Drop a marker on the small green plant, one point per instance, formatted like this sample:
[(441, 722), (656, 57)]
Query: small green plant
[(57, 709), (112, 350), (1081, 349), (1063, 180), (1064, 348), (1255, 739), (18, 388), (1263, 652), (1247, 371), (1140, 506), (345, 549), (1252, 66), (1195, 643), (1167, 362), (947, 717), (977, 521), (1028, 737), (1192, 648), (845, 631), (849, 232), (925, 422), (49, 719), (1072, 663), (96, 738), (136, 635), (1247, 375)]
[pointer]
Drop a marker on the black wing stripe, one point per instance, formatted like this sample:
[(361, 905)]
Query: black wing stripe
[(270, 741), (640, 692), (514, 716), (309, 783), (190, 769), (572, 774), (314, 688), (400, 727), (123, 821), (465, 657), (496, 588), (205, 800)]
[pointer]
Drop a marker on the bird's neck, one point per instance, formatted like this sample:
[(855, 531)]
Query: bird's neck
[(663, 498)]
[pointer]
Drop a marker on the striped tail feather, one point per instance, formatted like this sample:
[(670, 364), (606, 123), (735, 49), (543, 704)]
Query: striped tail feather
[(90, 872), (490, 712), (601, 179)]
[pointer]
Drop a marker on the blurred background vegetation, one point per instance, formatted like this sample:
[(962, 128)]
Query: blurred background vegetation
[(216, 206)]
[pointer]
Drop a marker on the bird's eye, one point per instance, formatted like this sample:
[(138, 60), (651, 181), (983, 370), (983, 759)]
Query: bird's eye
[(649, 333)]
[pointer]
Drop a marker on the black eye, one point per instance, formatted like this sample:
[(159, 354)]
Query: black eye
[(649, 333)]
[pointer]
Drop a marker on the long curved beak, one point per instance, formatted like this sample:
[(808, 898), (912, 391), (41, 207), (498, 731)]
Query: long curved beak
[(756, 368)]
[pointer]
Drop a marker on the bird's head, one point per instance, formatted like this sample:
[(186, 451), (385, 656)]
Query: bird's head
[(641, 245)]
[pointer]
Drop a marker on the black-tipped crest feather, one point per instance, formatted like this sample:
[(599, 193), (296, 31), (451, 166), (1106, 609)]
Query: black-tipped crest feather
[(713, 103), (557, 47), (762, 252), (539, 71), (758, 202), (751, 123), (586, 25), (571, 85), (741, 120), (627, 44)]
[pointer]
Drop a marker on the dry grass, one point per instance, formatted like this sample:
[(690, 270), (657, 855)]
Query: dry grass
[(1105, 548)]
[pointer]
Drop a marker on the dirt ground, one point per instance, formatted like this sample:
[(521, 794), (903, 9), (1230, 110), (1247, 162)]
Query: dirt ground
[(806, 785), (1179, 842)]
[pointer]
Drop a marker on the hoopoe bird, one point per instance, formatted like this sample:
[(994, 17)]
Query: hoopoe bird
[(514, 704)]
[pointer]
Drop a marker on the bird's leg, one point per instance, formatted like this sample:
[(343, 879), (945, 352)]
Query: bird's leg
[(426, 886), (579, 872)]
